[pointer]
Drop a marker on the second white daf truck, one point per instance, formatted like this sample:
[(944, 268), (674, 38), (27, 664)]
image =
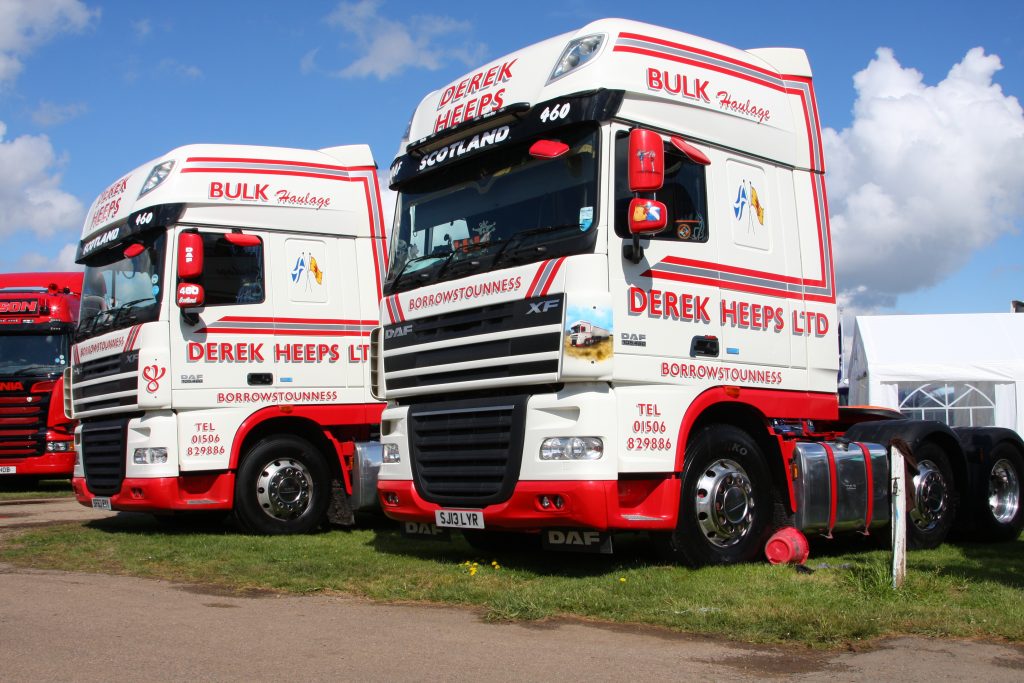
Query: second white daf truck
[(220, 361)]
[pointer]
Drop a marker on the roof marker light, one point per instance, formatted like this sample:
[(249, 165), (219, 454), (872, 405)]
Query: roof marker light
[(156, 176), (577, 53)]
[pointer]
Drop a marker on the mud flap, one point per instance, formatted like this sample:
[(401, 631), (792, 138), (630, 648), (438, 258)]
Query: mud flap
[(340, 512), (425, 531), (577, 541)]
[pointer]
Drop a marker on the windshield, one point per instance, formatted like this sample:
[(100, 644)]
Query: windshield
[(497, 209), (33, 355), (120, 291)]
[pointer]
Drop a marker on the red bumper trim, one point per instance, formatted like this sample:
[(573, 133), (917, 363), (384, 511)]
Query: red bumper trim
[(649, 504), (57, 465), (186, 492)]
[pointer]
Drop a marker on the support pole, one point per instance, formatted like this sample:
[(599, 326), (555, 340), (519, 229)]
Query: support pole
[(897, 479)]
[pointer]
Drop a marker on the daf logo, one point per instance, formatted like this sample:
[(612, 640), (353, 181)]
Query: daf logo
[(542, 306), (392, 332), (580, 538)]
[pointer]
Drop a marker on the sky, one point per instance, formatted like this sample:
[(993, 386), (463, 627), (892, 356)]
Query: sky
[(924, 130)]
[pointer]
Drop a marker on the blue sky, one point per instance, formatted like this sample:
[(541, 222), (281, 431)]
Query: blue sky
[(90, 89)]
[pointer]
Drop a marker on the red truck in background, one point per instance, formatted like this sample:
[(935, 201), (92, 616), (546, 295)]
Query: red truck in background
[(38, 312)]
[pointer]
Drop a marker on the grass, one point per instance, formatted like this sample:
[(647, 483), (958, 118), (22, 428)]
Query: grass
[(16, 488), (967, 591)]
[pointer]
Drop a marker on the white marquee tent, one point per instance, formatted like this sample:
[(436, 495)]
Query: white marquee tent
[(961, 369)]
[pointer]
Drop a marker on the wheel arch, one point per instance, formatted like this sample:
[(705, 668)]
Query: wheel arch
[(916, 433), (742, 415), (323, 426)]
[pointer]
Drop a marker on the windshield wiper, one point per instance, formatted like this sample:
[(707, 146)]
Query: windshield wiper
[(128, 307), (30, 369), (398, 277), (530, 233)]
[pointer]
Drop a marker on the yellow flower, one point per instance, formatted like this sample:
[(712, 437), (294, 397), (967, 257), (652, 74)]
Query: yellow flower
[(622, 579)]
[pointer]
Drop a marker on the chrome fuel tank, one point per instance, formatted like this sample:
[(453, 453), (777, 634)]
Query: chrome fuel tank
[(840, 486)]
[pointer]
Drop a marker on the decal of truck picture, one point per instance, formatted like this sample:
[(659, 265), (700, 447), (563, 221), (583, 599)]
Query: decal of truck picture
[(583, 333)]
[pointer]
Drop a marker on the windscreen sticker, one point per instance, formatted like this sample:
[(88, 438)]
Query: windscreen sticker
[(586, 218)]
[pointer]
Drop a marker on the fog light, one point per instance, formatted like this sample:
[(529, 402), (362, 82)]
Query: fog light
[(391, 453), (545, 502), (150, 456), (391, 498), (572, 448), (58, 446)]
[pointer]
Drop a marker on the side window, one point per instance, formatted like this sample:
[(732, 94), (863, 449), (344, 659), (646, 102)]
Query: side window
[(231, 274), (684, 194)]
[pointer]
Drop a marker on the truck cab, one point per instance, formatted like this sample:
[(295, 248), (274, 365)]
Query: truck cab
[(220, 360), (663, 190), (38, 312)]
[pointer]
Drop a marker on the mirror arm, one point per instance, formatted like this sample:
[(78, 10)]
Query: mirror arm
[(632, 250)]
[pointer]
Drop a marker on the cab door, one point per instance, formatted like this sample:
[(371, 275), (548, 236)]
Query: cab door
[(222, 352), (667, 301)]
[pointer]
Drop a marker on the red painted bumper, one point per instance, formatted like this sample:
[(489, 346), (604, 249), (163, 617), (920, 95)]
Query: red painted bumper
[(187, 492), (601, 505), (56, 465)]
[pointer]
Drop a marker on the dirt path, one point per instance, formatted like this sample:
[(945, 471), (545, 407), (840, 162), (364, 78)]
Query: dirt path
[(72, 626)]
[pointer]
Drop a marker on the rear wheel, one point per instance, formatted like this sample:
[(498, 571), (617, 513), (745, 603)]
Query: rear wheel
[(1000, 515), (283, 487), (935, 499), (727, 503)]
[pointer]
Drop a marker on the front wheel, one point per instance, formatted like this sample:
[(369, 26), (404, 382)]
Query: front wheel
[(283, 487), (727, 503)]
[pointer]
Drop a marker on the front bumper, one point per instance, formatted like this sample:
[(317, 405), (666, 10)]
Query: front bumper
[(57, 465), (207, 491), (623, 505)]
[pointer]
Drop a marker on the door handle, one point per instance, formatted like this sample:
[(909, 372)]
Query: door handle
[(702, 345), (260, 379)]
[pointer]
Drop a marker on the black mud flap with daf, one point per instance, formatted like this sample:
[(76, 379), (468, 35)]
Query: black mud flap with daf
[(577, 541)]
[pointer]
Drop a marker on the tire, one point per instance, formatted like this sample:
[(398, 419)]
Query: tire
[(282, 487), (727, 506), (1000, 515), (935, 499)]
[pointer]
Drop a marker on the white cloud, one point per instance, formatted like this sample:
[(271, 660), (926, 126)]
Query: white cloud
[(64, 261), (173, 66), (26, 24), (51, 114), (142, 28), (389, 47), (30, 196), (925, 176), (308, 62)]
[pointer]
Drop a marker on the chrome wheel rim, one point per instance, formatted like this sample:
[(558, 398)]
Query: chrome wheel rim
[(724, 503), (283, 488), (1003, 491), (931, 496)]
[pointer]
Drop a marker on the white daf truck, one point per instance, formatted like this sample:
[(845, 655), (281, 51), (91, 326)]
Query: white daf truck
[(220, 361), (586, 333), (674, 187)]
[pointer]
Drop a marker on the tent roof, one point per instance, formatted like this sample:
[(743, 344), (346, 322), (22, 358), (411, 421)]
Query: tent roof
[(953, 347)]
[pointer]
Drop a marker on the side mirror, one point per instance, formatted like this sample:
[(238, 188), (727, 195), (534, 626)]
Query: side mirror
[(190, 256), (646, 161), (190, 295), (647, 216)]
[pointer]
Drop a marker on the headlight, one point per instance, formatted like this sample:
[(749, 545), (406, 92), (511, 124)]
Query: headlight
[(572, 448), (58, 446), (577, 53), (150, 456), (391, 453)]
